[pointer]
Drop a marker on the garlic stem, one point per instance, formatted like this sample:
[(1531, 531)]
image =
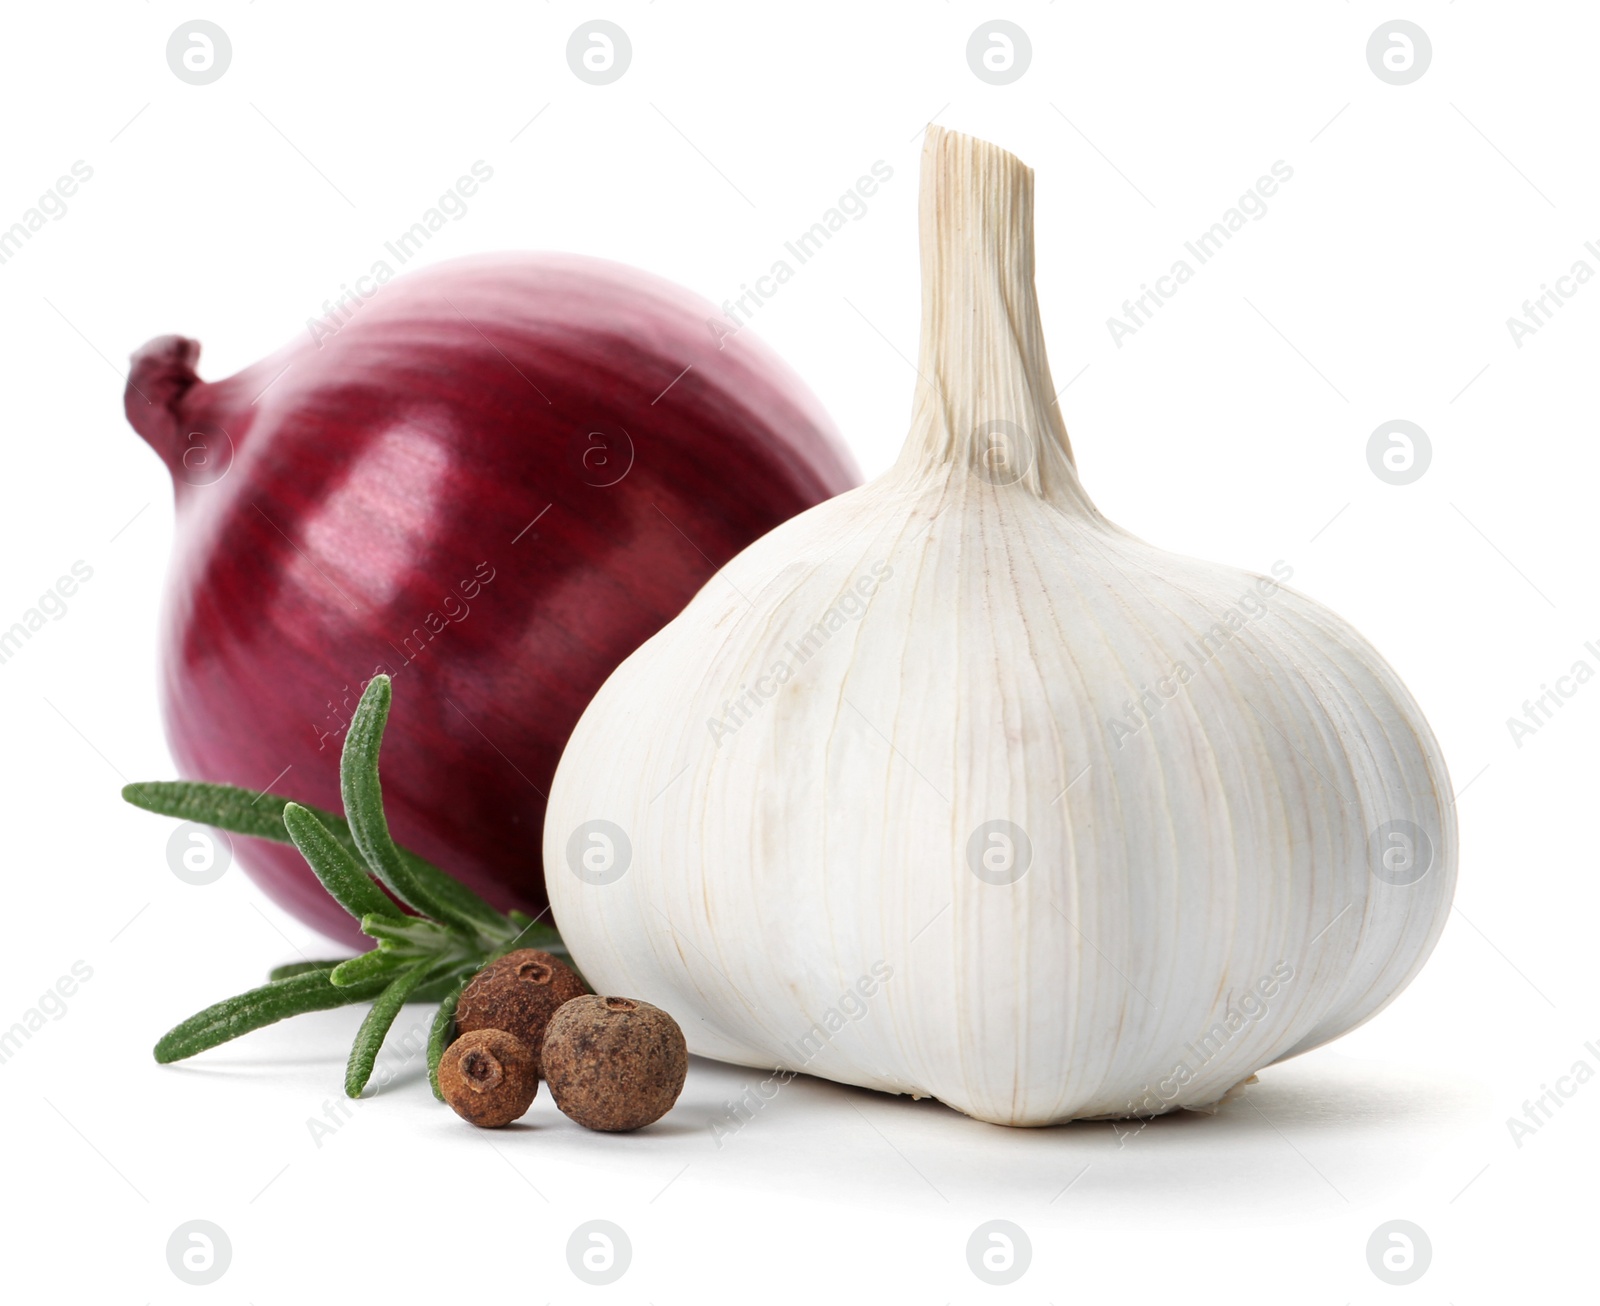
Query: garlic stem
[(984, 398)]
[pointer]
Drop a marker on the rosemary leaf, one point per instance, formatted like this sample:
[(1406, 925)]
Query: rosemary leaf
[(266, 1005), (444, 1024), (369, 1039), (414, 934), (244, 811), (290, 969), (423, 888), (380, 963), (345, 878), (435, 990)]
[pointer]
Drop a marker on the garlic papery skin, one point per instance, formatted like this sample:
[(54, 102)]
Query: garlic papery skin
[(950, 787)]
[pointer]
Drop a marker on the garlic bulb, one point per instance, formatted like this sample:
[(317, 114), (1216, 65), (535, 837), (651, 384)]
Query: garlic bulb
[(950, 787)]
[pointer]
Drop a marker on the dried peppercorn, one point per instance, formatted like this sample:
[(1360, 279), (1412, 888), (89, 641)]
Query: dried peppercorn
[(518, 993), (614, 1063), (488, 1077)]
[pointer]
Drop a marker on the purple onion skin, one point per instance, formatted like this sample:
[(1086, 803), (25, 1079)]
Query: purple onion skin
[(362, 503)]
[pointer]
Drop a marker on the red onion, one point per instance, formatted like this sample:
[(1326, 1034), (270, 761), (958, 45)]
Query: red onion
[(493, 480)]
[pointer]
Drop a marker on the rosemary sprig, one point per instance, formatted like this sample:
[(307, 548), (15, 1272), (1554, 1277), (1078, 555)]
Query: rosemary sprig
[(430, 955)]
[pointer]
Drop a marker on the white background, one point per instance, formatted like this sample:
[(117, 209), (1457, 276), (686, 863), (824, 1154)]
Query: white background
[(1233, 427)]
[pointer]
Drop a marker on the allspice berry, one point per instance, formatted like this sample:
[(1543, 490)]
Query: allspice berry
[(614, 1063), (488, 1077), (518, 993)]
